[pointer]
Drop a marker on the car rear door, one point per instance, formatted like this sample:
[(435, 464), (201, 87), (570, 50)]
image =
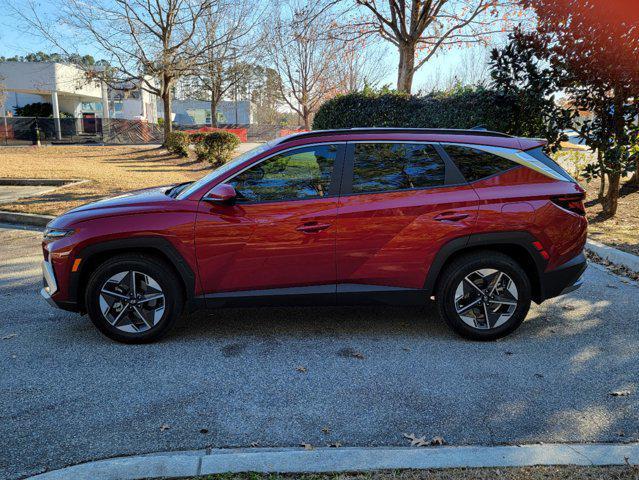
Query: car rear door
[(400, 202), (281, 232)]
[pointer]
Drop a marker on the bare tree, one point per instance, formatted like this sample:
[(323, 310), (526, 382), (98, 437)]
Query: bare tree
[(303, 53), (472, 69), (357, 66), (150, 43), (420, 28), (233, 44)]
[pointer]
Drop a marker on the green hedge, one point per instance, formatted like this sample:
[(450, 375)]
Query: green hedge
[(462, 107), (215, 147), (178, 143)]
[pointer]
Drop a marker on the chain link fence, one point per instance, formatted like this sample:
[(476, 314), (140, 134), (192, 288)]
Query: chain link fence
[(56, 131), (30, 130)]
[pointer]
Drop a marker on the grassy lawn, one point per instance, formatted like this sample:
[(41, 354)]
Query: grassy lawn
[(111, 170), (630, 472), (621, 231)]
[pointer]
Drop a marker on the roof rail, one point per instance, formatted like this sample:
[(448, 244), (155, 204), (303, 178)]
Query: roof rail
[(441, 131)]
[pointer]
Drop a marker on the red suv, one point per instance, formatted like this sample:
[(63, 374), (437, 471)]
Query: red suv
[(479, 221)]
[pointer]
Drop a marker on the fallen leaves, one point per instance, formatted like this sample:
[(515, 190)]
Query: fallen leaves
[(619, 393), (350, 353), (422, 442), (301, 369), (326, 430), (164, 427)]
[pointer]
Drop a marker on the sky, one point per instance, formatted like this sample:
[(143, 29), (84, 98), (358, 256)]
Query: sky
[(17, 39)]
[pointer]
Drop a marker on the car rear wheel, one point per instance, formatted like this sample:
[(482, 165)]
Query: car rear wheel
[(484, 295), (134, 298)]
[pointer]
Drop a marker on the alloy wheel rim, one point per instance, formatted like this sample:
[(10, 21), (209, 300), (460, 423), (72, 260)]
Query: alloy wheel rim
[(132, 301), (486, 298)]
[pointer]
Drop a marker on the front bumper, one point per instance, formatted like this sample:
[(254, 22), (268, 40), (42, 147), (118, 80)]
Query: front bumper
[(564, 279), (50, 285)]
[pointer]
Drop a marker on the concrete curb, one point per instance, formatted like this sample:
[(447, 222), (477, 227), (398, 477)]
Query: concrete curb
[(296, 460), (613, 255), (45, 182), (25, 218)]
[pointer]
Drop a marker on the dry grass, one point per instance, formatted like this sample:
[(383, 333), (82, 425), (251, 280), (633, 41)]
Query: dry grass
[(111, 170), (629, 472), (621, 231)]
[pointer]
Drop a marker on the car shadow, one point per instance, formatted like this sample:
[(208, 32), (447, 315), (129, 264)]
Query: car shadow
[(310, 321)]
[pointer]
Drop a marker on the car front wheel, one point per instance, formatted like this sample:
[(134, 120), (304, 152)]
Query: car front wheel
[(484, 295), (134, 298)]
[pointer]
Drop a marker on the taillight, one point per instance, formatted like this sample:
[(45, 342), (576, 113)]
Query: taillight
[(574, 203)]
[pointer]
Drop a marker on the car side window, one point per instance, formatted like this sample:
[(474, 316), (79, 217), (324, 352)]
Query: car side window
[(475, 164), (383, 167), (299, 174)]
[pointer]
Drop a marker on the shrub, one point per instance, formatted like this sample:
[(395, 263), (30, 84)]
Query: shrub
[(178, 143), (460, 107), (216, 147)]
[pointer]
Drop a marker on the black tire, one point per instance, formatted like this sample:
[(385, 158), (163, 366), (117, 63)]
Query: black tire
[(464, 266), (157, 270)]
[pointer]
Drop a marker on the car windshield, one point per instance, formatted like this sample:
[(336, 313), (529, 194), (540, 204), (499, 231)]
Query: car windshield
[(225, 168)]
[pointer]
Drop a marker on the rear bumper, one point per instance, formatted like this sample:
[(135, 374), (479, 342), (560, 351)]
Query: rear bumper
[(564, 279)]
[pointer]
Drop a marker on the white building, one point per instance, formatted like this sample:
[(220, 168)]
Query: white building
[(66, 87), (134, 103), (198, 112)]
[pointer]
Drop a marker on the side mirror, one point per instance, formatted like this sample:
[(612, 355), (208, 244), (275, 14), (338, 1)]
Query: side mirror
[(222, 193)]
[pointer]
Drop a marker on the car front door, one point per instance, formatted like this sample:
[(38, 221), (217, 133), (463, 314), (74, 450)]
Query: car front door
[(400, 203), (280, 234)]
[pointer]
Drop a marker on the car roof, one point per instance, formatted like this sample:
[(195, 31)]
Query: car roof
[(473, 137)]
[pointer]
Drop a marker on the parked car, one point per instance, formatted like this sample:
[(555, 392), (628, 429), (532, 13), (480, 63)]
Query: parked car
[(481, 222)]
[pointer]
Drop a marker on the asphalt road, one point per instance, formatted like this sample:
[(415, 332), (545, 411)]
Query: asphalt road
[(229, 378)]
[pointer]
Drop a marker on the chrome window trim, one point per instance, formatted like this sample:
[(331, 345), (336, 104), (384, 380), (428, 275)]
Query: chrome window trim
[(517, 156)]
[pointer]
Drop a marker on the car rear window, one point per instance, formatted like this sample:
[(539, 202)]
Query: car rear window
[(384, 167), (475, 164), (538, 154)]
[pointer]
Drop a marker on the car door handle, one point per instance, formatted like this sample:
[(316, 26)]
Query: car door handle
[(313, 227), (451, 216)]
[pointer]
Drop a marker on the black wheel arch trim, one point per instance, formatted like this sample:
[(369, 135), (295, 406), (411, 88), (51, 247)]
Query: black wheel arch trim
[(488, 240), (149, 244)]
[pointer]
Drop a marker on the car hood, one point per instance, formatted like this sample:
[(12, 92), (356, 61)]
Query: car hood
[(128, 203)]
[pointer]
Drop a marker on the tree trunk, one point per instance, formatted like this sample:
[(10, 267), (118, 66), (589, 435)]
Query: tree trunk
[(635, 178), (168, 125), (406, 67), (602, 176), (612, 196), (306, 117), (213, 111)]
